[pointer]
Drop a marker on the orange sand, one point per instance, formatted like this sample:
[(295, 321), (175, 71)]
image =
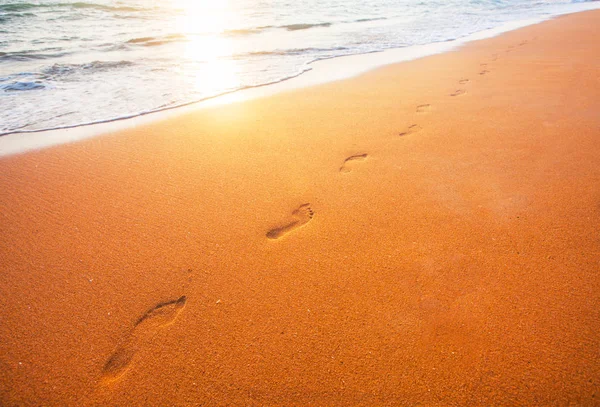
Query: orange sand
[(452, 260)]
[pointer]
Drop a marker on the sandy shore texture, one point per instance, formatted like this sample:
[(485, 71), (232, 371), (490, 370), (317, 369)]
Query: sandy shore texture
[(425, 234)]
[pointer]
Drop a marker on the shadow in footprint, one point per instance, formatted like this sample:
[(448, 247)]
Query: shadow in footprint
[(458, 92), (410, 130), (463, 81), (347, 165), (300, 217), (159, 316), (485, 71), (423, 108), (119, 362)]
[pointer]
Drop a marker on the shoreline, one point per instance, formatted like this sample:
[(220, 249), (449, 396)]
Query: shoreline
[(424, 233), (317, 73)]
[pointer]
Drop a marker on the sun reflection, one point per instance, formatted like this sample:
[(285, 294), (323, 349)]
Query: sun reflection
[(217, 76), (203, 22)]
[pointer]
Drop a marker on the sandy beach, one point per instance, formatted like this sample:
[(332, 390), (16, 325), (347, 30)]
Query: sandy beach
[(425, 234)]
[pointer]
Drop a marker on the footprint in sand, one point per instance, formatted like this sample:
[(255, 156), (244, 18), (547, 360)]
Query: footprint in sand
[(347, 165), (300, 217), (410, 130), (463, 81), (144, 329), (485, 71), (458, 92), (423, 108)]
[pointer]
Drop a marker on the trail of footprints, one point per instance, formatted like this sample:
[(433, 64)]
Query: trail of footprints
[(166, 313), (303, 214)]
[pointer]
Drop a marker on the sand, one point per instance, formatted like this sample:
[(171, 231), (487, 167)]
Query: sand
[(424, 234)]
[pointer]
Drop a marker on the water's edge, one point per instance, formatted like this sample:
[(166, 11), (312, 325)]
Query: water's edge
[(318, 72)]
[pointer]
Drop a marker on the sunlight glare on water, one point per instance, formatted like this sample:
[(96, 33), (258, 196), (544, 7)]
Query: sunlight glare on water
[(203, 22)]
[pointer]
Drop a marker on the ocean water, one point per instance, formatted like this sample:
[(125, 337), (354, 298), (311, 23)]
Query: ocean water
[(68, 63)]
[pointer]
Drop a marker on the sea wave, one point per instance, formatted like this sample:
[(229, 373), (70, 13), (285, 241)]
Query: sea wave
[(4, 18), (19, 6), (22, 86), (291, 51), (16, 7), (154, 41), (102, 7), (25, 81), (295, 26), (29, 55), (60, 70), (364, 20), (243, 31)]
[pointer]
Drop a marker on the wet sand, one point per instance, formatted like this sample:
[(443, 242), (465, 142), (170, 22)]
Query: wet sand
[(424, 234)]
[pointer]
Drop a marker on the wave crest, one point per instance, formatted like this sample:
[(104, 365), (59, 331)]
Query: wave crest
[(29, 55), (15, 7), (154, 41), (18, 86), (58, 70), (297, 27), (292, 51)]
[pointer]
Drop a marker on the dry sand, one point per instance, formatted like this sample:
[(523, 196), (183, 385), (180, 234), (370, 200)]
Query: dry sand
[(425, 234)]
